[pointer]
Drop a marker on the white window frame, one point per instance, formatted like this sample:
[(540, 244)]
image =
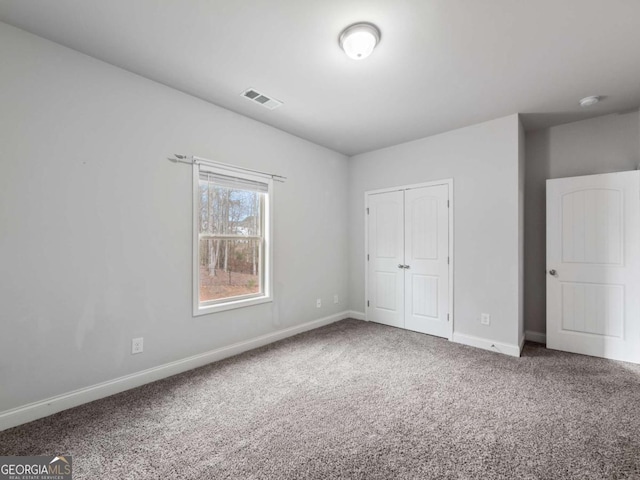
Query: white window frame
[(267, 265)]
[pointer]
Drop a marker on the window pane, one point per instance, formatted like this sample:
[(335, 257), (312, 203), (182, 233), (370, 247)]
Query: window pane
[(229, 211), (229, 268), (230, 261)]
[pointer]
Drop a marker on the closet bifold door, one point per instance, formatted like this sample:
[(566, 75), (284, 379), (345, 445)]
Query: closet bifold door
[(386, 258), (426, 252)]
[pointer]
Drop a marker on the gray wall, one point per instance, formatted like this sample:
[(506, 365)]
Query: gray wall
[(521, 206), (604, 144), (95, 223), (483, 161)]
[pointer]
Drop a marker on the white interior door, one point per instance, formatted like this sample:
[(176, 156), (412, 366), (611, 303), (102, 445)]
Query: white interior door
[(593, 265), (386, 256), (426, 256)]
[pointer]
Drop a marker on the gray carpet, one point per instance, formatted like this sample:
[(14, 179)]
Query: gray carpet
[(363, 401)]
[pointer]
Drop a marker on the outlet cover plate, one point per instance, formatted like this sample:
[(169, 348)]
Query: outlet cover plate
[(137, 345), (485, 319)]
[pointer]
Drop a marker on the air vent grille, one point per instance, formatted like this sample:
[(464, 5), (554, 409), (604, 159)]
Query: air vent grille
[(261, 99)]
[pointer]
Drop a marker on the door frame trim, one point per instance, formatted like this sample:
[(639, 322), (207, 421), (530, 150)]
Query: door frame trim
[(449, 183)]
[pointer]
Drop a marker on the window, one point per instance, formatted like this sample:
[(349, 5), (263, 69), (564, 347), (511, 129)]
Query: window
[(232, 247)]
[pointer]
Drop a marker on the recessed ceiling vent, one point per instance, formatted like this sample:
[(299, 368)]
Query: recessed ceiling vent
[(261, 99)]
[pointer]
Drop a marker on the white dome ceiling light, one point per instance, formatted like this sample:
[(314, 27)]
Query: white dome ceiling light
[(589, 101), (359, 40)]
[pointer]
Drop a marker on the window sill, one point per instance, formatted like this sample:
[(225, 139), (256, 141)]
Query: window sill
[(231, 305)]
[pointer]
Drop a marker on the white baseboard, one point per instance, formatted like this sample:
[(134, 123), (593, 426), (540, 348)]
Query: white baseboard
[(537, 337), (357, 315), (49, 406), (485, 344)]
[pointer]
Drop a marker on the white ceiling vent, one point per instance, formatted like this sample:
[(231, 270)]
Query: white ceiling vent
[(261, 99)]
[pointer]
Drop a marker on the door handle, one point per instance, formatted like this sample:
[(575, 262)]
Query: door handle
[(400, 265), (553, 273), (407, 266)]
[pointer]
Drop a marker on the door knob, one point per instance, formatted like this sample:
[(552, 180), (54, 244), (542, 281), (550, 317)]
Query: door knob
[(552, 273)]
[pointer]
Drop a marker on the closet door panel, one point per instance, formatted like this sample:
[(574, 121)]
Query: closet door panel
[(386, 256), (426, 259)]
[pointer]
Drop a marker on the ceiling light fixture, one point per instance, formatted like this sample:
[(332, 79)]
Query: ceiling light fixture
[(589, 101), (359, 40)]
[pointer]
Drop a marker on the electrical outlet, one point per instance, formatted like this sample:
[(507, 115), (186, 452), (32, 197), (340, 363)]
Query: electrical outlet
[(485, 319), (137, 345), (318, 302), (335, 298)]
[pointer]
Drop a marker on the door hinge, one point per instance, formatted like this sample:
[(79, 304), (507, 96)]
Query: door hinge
[(367, 303), (447, 317), (367, 210), (367, 257), (448, 204), (448, 260)]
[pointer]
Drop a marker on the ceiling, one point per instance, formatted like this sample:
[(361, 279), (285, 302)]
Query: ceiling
[(441, 64)]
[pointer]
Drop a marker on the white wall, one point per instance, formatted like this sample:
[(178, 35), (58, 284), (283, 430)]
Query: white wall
[(604, 144), (95, 223), (483, 161)]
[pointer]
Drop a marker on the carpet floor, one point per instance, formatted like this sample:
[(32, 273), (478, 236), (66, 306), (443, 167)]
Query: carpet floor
[(357, 400)]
